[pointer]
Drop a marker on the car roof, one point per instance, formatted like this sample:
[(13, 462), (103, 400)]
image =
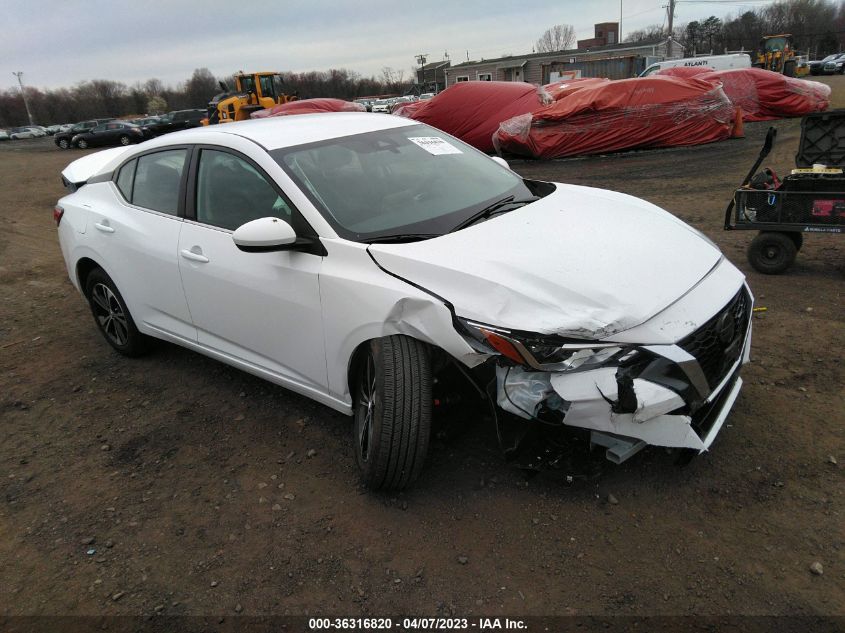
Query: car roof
[(297, 129)]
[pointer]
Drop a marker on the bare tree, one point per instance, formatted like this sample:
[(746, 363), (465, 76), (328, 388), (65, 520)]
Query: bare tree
[(201, 87), (651, 33), (392, 78), (560, 37)]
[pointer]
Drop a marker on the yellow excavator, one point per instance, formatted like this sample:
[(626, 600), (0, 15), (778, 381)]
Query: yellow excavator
[(253, 91), (777, 54)]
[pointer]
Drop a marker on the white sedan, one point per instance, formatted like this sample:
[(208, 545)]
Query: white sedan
[(377, 265)]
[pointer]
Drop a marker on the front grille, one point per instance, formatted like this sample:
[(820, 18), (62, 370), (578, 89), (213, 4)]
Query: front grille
[(717, 344)]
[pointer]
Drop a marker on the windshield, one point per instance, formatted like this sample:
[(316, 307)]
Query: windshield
[(411, 179)]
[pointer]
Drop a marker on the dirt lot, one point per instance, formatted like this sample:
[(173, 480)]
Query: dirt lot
[(194, 483)]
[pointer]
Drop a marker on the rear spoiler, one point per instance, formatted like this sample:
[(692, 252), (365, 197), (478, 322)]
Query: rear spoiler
[(80, 171)]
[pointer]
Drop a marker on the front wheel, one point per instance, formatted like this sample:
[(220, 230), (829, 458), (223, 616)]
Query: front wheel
[(112, 316), (125, 140), (392, 412), (771, 252), (64, 143)]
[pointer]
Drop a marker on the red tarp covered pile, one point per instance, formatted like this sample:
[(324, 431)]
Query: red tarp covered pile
[(609, 116), (309, 106), (473, 110), (762, 94)]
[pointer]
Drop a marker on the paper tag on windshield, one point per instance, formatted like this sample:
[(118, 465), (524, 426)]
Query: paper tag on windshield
[(434, 145)]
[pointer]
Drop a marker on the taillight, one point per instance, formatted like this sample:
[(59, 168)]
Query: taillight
[(58, 212)]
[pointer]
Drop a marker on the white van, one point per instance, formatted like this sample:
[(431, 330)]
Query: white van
[(714, 62)]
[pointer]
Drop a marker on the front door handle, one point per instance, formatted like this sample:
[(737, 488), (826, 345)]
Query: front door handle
[(105, 228), (193, 256)]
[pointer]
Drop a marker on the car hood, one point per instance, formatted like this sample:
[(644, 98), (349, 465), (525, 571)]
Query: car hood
[(582, 262)]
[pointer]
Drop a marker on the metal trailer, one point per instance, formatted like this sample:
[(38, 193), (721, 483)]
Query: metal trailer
[(811, 201)]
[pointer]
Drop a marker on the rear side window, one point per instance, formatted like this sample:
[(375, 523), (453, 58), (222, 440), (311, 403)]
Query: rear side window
[(125, 179), (157, 179)]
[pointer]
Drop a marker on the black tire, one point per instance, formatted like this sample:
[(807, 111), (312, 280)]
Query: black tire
[(82, 144), (789, 69), (392, 396), (771, 253), (797, 238), (64, 143), (125, 140), (112, 316)]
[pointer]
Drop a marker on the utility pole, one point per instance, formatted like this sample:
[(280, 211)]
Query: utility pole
[(23, 94), (421, 61), (669, 43), (619, 28)]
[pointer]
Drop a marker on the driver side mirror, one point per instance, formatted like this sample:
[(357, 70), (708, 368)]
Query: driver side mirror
[(264, 235)]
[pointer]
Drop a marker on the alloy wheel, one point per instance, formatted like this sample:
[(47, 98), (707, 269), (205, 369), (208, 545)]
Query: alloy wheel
[(366, 404), (110, 314)]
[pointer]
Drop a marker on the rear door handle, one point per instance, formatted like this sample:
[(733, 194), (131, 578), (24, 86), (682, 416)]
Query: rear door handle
[(194, 257), (105, 228)]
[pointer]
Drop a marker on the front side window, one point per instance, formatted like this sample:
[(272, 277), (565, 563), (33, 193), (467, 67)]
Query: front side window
[(266, 82), (157, 180), (100, 128), (411, 179), (231, 192)]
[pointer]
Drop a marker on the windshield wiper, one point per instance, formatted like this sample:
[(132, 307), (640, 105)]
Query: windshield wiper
[(491, 209), (401, 237)]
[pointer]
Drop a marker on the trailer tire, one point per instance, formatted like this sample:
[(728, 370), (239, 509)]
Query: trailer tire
[(772, 252), (798, 239)]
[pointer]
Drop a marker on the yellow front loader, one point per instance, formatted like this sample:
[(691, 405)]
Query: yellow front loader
[(776, 54), (253, 91)]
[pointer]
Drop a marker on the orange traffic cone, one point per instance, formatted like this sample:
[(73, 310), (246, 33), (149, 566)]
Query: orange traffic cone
[(738, 131)]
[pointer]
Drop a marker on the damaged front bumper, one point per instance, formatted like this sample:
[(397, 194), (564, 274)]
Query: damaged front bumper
[(676, 395)]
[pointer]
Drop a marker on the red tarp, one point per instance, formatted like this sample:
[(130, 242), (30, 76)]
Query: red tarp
[(309, 106), (764, 95), (616, 115), (684, 71), (472, 110)]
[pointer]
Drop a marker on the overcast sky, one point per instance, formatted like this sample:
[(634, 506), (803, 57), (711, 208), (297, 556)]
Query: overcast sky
[(61, 42)]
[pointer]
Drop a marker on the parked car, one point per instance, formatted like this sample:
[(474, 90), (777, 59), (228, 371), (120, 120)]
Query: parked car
[(52, 129), (111, 133), (835, 66), (426, 96), (382, 105), (63, 139), (147, 120), (817, 66), (175, 121), (4, 135), (400, 101), (367, 103), (27, 131), (378, 265)]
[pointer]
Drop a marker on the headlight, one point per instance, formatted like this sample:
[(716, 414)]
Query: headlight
[(544, 353)]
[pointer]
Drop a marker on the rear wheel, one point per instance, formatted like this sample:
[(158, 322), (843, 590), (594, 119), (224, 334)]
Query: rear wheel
[(392, 412), (112, 316), (125, 140), (82, 144), (771, 253)]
